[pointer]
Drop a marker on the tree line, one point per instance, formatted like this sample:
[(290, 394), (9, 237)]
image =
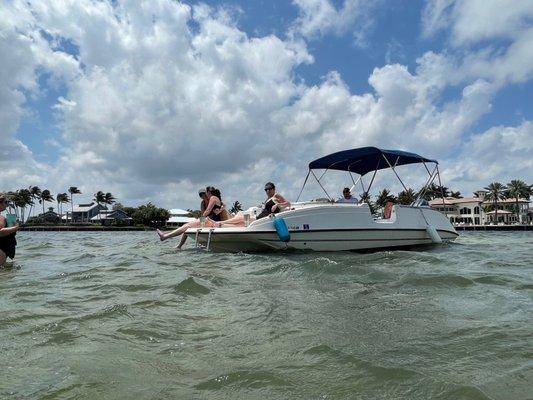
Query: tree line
[(151, 215), (21, 199)]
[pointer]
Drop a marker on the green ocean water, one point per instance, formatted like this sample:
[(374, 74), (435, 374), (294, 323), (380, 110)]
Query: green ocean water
[(123, 316)]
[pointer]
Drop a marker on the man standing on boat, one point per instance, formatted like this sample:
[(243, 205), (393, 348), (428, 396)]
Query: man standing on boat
[(347, 197)]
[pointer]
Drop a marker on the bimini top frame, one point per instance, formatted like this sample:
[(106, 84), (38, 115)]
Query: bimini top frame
[(367, 159)]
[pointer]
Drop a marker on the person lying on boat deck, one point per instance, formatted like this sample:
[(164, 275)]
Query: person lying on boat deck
[(274, 203), (8, 242), (347, 197), (211, 214)]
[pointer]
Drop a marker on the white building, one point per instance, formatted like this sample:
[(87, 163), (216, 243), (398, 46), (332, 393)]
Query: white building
[(178, 217), (477, 211)]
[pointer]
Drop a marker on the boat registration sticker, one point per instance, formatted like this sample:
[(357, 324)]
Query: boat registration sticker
[(306, 226)]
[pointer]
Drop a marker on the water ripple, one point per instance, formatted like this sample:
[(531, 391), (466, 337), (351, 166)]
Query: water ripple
[(121, 315)]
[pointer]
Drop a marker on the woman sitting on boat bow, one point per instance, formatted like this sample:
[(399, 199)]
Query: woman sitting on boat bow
[(214, 212), (274, 203)]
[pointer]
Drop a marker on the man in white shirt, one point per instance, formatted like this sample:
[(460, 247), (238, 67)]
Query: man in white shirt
[(347, 197)]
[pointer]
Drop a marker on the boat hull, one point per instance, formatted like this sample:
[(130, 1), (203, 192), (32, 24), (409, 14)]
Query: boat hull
[(331, 228)]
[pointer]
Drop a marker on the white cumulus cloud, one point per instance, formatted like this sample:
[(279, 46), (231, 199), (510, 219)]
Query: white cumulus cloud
[(161, 98)]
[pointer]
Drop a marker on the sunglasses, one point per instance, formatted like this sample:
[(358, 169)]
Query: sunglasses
[(267, 189)]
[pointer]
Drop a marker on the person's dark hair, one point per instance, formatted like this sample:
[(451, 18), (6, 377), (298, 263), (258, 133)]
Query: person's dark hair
[(270, 185), (214, 192), (209, 189), (346, 190)]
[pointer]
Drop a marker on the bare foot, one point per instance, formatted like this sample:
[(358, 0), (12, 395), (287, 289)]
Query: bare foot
[(177, 247), (161, 235)]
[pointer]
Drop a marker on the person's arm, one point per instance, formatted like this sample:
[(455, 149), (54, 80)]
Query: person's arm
[(210, 205), (281, 202), (6, 231), (202, 206)]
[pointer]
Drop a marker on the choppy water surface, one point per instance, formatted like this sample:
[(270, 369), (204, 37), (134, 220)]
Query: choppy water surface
[(120, 315)]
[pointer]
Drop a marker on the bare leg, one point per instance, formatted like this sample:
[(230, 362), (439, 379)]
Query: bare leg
[(181, 230), (237, 220), (176, 232), (3, 258), (182, 242)]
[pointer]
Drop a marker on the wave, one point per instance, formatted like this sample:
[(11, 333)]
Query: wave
[(436, 280), (189, 287)]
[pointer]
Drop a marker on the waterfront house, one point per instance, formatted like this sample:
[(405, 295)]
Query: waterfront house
[(478, 211), (109, 217), (49, 216), (178, 217), (84, 212)]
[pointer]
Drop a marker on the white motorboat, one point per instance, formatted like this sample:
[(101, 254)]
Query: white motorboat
[(324, 225)]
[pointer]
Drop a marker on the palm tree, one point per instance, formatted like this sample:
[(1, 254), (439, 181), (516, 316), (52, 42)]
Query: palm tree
[(35, 194), (72, 190), (365, 198), (495, 192), (442, 191), (19, 200), (383, 197), (10, 197), (518, 189), (236, 207), (109, 199), (61, 198), (46, 196), (433, 191), (58, 200), (99, 197), (406, 196), (456, 195), (23, 199)]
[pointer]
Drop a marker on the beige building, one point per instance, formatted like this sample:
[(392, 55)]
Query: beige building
[(476, 211)]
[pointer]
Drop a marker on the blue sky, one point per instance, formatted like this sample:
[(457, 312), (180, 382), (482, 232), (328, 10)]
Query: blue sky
[(152, 99)]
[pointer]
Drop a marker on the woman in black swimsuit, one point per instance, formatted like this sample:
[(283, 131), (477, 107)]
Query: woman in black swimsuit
[(8, 242), (274, 203)]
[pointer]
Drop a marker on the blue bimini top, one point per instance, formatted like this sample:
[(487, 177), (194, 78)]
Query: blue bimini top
[(367, 159)]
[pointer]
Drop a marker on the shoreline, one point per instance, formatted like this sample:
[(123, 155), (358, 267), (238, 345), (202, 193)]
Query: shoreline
[(59, 228), (69, 228), (494, 228)]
